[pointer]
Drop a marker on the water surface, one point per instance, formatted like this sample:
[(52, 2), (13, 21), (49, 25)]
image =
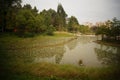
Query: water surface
[(82, 51)]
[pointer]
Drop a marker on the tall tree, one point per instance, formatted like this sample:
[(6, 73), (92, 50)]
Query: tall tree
[(5, 6), (27, 6), (61, 17), (35, 11)]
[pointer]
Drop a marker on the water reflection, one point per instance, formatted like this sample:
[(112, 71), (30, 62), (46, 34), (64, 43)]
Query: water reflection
[(86, 39), (54, 54), (71, 45), (50, 54), (80, 52), (108, 55)]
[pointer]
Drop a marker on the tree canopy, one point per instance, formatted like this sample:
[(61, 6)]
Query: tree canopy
[(110, 29), (27, 20), (73, 24), (61, 17), (5, 8)]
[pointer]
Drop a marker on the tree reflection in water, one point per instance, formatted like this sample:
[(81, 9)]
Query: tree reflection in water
[(108, 55), (54, 53), (80, 51), (71, 45)]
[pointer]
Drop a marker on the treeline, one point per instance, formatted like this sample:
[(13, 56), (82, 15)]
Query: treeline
[(25, 20), (110, 30)]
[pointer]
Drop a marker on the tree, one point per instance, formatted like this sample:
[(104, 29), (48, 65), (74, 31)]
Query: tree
[(73, 24), (46, 22), (5, 6), (27, 6), (84, 29), (61, 17), (115, 28), (102, 30), (11, 17), (25, 22), (35, 11), (111, 29)]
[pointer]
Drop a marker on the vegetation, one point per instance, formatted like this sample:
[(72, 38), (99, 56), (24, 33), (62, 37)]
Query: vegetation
[(50, 28), (61, 17), (85, 29), (73, 24), (6, 12), (17, 63), (26, 21), (110, 30)]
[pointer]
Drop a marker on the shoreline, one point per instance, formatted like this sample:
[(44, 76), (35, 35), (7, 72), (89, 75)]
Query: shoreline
[(49, 45), (92, 35), (107, 43)]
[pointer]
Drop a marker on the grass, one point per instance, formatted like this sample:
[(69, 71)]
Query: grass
[(63, 34), (14, 42), (17, 65), (48, 71)]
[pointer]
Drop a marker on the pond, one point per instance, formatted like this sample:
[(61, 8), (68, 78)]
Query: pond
[(82, 51)]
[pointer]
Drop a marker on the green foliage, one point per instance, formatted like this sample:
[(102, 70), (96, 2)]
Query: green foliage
[(111, 29), (26, 20), (115, 27), (73, 24), (101, 30), (46, 22), (61, 15), (5, 8), (50, 30), (27, 6), (84, 29)]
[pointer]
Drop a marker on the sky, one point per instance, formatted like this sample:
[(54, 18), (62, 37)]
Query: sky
[(84, 10)]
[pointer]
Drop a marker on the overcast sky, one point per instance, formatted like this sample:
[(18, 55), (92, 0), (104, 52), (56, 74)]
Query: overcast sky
[(84, 10)]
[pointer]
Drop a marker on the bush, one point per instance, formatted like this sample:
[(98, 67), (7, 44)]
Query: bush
[(50, 30), (25, 34)]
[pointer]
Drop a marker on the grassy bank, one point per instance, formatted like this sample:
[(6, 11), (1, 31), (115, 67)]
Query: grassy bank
[(63, 34), (17, 64), (8, 41), (48, 71)]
